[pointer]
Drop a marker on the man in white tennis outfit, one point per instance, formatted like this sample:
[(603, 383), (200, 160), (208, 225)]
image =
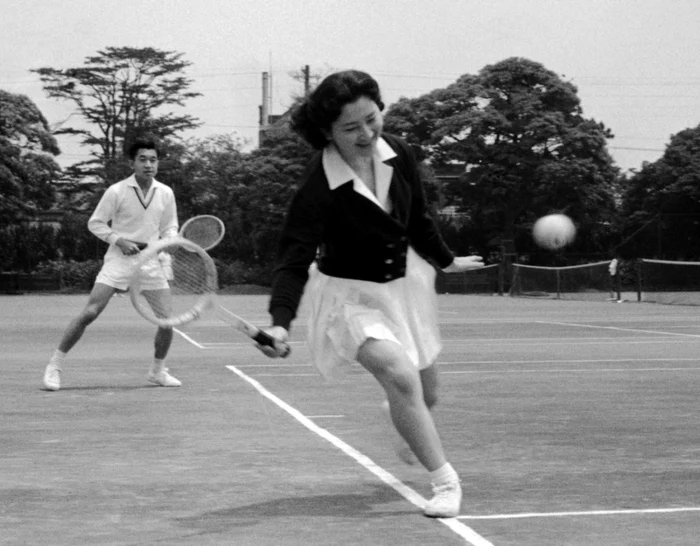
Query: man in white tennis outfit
[(131, 214)]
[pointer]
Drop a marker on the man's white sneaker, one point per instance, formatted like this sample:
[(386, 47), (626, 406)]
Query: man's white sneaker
[(163, 378), (446, 502), (403, 451), (52, 376)]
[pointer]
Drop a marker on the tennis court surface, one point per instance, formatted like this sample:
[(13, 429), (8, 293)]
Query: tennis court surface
[(571, 423)]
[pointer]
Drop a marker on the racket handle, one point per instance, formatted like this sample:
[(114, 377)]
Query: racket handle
[(266, 339)]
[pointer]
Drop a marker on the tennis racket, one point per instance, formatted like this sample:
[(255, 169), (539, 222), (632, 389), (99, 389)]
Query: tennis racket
[(204, 230), (193, 290)]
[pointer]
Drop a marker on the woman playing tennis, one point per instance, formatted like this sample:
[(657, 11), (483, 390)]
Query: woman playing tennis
[(361, 218)]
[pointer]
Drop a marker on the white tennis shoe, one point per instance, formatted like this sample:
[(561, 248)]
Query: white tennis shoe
[(163, 378), (446, 502), (52, 376)]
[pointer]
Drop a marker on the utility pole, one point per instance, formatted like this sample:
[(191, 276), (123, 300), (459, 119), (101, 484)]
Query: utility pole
[(265, 108), (307, 78)]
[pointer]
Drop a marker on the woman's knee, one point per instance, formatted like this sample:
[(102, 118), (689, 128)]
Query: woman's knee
[(390, 366)]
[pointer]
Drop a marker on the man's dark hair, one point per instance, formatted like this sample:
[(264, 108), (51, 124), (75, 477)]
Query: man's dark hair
[(142, 143)]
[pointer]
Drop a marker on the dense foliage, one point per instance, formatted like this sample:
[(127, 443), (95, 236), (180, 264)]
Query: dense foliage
[(661, 203), (525, 149), (27, 165)]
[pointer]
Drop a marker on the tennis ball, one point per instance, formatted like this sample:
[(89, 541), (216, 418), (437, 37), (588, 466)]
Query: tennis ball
[(554, 231)]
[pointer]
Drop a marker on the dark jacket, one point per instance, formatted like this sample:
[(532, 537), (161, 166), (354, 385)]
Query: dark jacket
[(354, 238)]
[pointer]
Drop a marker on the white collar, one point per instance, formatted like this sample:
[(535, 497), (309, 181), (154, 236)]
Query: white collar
[(338, 172)]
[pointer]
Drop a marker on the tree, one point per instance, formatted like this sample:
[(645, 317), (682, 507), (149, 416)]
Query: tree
[(661, 203), (250, 191), (122, 92), (268, 179), (27, 165), (518, 131)]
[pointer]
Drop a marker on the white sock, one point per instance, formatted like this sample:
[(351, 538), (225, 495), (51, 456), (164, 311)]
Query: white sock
[(444, 474), (158, 365), (60, 356)]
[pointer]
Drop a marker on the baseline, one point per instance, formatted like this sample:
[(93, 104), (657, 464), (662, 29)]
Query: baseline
[(526, 515), (638, 330)]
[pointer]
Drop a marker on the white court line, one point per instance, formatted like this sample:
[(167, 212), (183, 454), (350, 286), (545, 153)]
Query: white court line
[(589, 513), (468, 534), (487, 362), (188, 338), (571, 370), (580, 361), (618, 329), (568, 339), (501, 342)]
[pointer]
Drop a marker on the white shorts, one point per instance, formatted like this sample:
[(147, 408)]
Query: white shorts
[(118, 272)]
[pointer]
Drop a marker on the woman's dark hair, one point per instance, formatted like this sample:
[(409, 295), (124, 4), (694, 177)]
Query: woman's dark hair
[(142, 143), (323, 106)]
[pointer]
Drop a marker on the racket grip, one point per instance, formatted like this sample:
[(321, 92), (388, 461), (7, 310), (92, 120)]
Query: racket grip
[(266, 339)]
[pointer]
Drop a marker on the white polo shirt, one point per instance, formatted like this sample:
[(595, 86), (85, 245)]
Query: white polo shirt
[(124, 211)]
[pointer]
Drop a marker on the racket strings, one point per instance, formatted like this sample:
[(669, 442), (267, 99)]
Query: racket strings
[(193, 280), (204, 231), (191, 273)]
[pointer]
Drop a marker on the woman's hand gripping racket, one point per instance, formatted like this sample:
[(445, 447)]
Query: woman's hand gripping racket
[(192, 291)]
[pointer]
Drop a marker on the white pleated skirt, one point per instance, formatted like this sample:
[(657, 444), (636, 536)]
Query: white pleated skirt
[(344, 313)]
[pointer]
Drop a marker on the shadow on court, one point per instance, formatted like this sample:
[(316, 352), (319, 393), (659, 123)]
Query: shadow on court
[(342, 505), (102, 388)]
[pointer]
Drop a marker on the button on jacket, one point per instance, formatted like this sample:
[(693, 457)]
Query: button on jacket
[(341, 225)]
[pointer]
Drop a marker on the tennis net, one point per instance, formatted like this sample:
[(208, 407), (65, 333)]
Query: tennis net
[(669, 282), (590, 281)]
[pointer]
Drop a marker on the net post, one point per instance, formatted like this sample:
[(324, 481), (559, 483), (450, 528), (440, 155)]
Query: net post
[(639, 279), (508, 259)]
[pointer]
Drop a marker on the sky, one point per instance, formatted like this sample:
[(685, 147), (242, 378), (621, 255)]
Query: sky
[(635, 63)]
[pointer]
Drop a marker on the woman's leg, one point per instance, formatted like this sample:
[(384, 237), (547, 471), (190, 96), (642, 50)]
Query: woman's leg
[(430, 383), (409, 408), (401, 381)]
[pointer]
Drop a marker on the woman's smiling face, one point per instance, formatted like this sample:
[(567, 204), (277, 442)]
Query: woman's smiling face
[(356, 131)]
